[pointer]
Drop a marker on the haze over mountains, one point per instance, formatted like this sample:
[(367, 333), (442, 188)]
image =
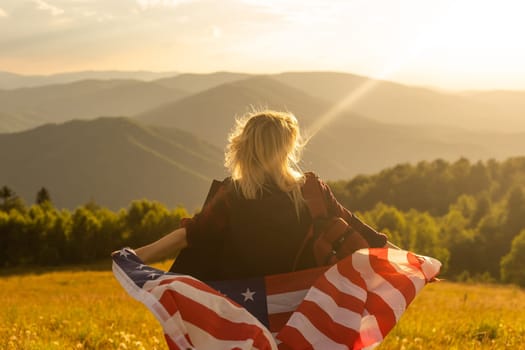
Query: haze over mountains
[(86, 99), (13, 81), (170, 144)]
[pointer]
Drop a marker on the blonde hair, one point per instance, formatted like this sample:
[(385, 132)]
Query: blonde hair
[(264, 149)]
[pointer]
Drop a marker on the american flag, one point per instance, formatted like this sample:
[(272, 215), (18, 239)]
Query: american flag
[(350, 305)]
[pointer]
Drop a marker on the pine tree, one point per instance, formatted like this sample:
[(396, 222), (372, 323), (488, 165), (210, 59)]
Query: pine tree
[(43, 196)]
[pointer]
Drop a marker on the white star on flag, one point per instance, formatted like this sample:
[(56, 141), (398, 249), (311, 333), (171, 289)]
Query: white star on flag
[(124, 253), (152, 275), (248, 295)]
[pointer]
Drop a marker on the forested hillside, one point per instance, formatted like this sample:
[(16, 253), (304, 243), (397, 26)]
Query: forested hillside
[(469, 215), (111, 161)]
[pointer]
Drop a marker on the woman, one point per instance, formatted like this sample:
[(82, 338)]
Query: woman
[(256, 222)]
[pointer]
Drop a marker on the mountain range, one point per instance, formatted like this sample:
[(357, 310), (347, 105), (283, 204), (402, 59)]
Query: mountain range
[(14, 81), (86, 99), (164, 139), (111, 161)]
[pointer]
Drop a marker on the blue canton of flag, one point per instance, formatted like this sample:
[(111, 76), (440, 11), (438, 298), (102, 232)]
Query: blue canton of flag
[(135, 269), (249, 293)]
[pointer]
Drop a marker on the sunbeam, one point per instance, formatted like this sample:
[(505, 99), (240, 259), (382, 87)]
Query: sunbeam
[(416, 49)]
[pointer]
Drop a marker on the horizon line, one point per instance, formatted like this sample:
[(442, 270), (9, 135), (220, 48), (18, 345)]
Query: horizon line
[(177, 73)]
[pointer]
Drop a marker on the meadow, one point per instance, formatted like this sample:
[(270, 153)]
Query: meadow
[(85, 308)]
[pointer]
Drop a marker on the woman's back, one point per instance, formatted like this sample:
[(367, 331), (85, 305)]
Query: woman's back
[(236, 237), (265, 234)]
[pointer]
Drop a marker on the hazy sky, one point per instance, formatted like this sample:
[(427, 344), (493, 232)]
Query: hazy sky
[(447, 43)]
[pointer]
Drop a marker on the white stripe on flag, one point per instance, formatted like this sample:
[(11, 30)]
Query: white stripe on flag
[(370, 333), (285, 302), (177, 331), (175, 321), (430, 266), (316, 338), (376, 284), (399, 260), (204, 340), (338, 314), (154, 283), (344, 285)]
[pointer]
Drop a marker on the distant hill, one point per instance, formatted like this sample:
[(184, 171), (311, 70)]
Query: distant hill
[(111, 161), (87, 99), (329, 86), (196, 83), (15, 81), (397, 103), (211, 113), (509, 104), (347, 148)]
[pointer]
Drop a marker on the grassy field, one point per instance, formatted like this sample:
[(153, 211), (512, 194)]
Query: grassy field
[(81, 309)]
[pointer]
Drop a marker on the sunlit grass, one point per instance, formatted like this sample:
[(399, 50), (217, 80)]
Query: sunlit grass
[(462, 316), (73, 310), (89, 310)]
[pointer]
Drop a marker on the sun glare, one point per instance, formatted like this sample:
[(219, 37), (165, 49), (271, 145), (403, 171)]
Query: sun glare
[(474, 38), (449, 44)]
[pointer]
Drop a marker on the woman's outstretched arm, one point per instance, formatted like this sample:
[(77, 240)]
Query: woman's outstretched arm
[(391, 245), (165, 247)]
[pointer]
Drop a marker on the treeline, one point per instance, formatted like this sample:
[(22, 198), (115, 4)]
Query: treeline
[(41, 234), (470, 216)]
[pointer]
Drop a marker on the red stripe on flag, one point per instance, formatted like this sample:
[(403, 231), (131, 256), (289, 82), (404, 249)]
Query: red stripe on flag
[(383, 267), (346, 301), (326, 325), (385, 316), (169, 301), (209, 321), (417, 262), (195, 284), (294, 340), (169, 280), (346, 269), (278, 320), (174, 346), (171, 343), (293, 281), (414, 260), (203, 287)]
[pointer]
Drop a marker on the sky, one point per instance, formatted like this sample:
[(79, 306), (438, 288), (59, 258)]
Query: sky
[(449, 44)]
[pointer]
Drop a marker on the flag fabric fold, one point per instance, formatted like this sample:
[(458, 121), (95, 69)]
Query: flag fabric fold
[(350, 305)]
